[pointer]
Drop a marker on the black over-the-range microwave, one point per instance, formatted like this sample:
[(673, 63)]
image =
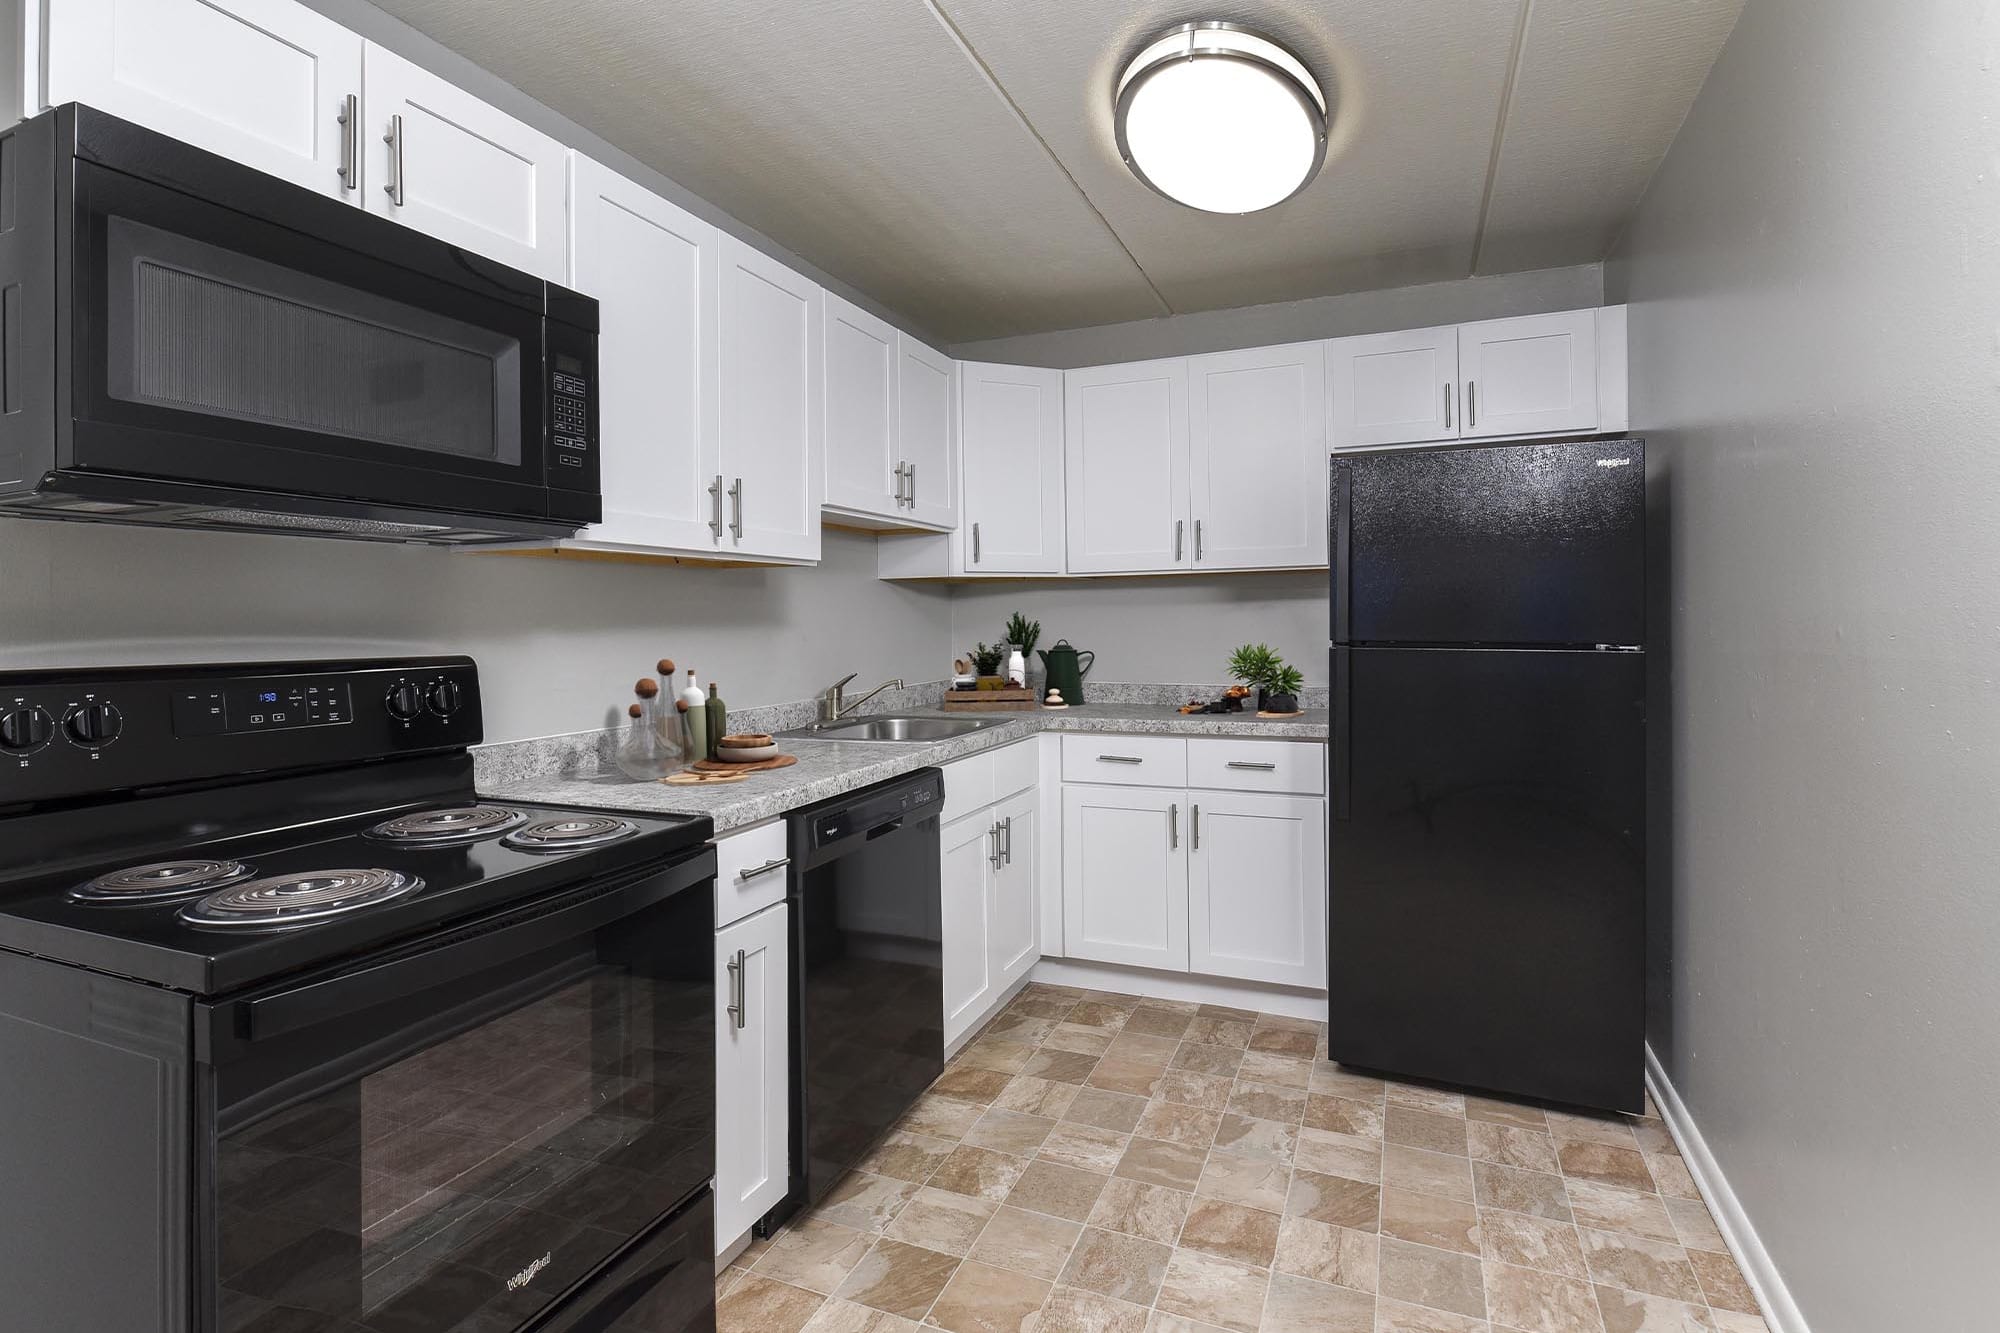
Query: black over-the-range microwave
[(185, 341)]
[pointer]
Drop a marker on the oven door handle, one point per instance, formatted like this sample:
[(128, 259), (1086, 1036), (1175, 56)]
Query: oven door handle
[(430, 963)]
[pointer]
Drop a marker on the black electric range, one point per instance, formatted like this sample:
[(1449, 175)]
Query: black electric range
[(315, 1038)]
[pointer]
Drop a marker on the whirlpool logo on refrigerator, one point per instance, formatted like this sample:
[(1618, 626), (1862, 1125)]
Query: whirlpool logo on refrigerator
[(1614, 462), (527, 1275)]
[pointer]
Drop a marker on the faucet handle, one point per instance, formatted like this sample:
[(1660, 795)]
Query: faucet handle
[(842, 683)]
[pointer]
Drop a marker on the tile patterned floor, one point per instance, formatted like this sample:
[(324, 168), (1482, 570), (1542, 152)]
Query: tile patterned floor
[(1099, 1163)]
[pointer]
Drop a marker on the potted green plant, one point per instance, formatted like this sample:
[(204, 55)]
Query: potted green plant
[(986, 661), (1277, 684), (1023, 633)]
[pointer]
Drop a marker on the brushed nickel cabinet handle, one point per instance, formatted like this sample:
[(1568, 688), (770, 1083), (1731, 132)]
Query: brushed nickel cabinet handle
[(715, 495), (975, 543), (1007, 839), (736, 509), (755, 872), (738, 993), (350, 142), (1174, 825), (1179, 526), (1256, 765), (1119, 759), (1197, 540), (1194, 827), (1447, 407), (1471, 405), (993, 850), (394, 138), (910, 476)]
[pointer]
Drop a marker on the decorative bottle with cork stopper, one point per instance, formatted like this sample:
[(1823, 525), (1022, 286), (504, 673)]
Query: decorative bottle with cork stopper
[(697, 718), (718, 721)]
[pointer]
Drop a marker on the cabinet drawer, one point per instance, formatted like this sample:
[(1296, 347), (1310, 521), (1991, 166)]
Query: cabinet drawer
[(1016, 768), (968, 786), (751, 872), (1126, 761), (1296, 767)]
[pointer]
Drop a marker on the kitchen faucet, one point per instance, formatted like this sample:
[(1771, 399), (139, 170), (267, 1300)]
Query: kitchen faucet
[(833, 704)]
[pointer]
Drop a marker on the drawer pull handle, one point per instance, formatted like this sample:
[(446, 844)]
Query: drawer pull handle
[(739, 1006), (1119, 759), (755, 871), (1257, 765)]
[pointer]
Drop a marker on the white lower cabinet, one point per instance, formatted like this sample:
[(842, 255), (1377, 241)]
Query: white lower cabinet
[(1256, 887), (1125, 876), (964, 888), (989, 911), (752, 1069)]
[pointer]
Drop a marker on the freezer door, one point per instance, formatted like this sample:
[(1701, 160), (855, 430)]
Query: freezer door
[(1488, 870), (1537, 544)]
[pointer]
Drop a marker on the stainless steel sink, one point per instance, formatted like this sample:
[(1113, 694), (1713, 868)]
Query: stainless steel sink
[(885, 727)]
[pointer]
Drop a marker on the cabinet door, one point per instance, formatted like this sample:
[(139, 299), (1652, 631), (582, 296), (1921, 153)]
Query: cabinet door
[(772, 380), (1011, 444), (1126, 467), (1257, 457), (653, 269), (1257, 887), (261, 82), (1125, 876), (1529, 376), (1392, 388), (459, 169), (861, 461), (752, 1070), (927, 432), (1013, 931), (969, 850)]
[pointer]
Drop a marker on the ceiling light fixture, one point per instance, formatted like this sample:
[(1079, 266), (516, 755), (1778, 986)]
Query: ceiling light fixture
[(1220, 118)]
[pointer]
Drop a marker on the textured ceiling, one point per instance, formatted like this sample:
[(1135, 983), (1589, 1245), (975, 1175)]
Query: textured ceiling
[(954, 159)]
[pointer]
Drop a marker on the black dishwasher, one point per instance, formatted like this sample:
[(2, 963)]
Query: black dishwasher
[(867, 972)]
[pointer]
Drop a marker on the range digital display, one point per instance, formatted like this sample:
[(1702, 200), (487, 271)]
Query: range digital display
[(261, 705)]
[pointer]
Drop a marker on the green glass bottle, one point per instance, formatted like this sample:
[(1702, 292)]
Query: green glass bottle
[(718, 721)]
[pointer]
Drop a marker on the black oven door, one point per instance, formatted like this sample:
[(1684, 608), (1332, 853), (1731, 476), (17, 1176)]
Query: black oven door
[(214, 346), (506, 1126)]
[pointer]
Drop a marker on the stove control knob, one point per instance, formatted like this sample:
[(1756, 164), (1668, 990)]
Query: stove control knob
[(93, 725), (444, 697), (405, 702), (25, 729)]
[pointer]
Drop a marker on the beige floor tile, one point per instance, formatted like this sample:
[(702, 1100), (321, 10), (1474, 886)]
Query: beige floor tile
[(728, 1279), (1060, 1066), (1426, 1219), (1152, 1212), (1220, 1061), (1426, 1098), (1106, 1110), (1289, 1023), (979, 1299), (1429, 1130), (1520, 1191), (1526, 1241), (1125, 1268), (1734, 1321), (760, 1305), (1078, 1039), (1636, 1312), (973, 1085), (1344, 1115), (979, 1172), (1335, 1200), (1672, 1177), (1035, 1096), (901, 1279), (1227, 1011), (1335, 1081), (1042, 1006), (1157, 1163), (1339, 1155), (1116, 1074), (838, 1316), (1339, 1255), (1085, 1147), (1278, 1070), (1058, 1190), (1268, 1140), (1494, 1111), (813, 1254), (1285, 1041), (1428, 1172), (1611, 1130), (906, 1155), (1656, 1267), (1188, 1007), (1722, 1282), (1654, 1138), (1586, 1160), (865, 1202), (1420, 1275), (1231, 1231), (1028, 1029), (996, 1053), (1219, 1030), (1536, 1302), (1176, 1122), (1297, 1305), (1215, 1291), (1287, 1106), (1007, 1131), (1211, 1092), (1032, 1243), (1155, 1021), (1402, 1317), (1529, 1149), (1118, 1000), (1162, 1322), (941, 1117), (940, 1220), (1073, 1310), (1143, 1047), (1609, 1208), (1095, 1014), (1694, 1227)]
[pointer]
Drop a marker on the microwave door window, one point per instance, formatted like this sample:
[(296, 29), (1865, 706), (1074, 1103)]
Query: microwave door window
[(221, 334)]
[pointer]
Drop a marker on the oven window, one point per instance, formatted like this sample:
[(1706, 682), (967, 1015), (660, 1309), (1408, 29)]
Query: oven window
[(223, 334), (467, 1182)]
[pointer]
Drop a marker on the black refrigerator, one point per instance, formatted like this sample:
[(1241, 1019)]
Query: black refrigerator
[(1488, 806)]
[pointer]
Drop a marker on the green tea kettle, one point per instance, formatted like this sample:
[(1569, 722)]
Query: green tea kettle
[(1066, 667)]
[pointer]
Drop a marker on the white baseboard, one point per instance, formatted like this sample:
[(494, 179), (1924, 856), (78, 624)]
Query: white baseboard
[(1286, 1000), (1781, 1312)]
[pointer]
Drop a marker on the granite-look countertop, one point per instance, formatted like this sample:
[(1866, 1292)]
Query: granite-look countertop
[(569, 771)]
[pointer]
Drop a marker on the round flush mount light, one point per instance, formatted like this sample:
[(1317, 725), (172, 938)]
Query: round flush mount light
[(1220, 118)]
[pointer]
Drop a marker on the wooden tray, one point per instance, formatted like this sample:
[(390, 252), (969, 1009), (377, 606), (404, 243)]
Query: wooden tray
[(988, 701), (759, 766)]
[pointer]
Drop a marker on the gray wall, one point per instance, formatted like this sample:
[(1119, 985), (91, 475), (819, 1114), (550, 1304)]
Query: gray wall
[(559, 643), (1294, 321), (1813, 278)]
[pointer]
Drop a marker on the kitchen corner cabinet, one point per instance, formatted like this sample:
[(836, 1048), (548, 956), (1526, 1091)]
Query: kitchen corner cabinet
[(891, 430), (752, 1069), (1125, 444), (1011, 440), (771, 478), (1258, 457), (1125, 876), (1257, 887)]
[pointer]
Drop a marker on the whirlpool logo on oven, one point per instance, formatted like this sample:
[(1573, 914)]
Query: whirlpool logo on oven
[(527, 1275)]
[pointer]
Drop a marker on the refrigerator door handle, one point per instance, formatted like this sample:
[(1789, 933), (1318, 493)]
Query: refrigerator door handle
[(1341, 762), (1343, 512)]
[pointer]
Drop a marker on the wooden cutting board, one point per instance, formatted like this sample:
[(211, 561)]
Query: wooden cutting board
[(759, 766)]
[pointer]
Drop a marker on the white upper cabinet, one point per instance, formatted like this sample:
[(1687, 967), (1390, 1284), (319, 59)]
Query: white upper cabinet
[(654, 270), (927, 433), (1257, 887), (863, 472), (442, 161), (1529, 376), (771, 481), (1012, 446), (262, 82), (1126, 467), (1258, 457), (1392, 388)]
